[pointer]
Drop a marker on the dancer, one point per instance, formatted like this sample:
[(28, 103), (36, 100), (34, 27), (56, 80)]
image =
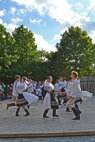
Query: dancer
[(21, 102), (17, 80), (49, 99), (14, 93), (24, 99), (60, 85), (74, 95), (30, 97), (69, 85)]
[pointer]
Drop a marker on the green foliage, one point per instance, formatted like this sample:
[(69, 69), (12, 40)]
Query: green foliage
[(5, 52), (19, 55), (75, 51)]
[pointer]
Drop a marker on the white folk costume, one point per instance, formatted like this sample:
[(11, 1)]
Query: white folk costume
[(47, 98), (24, 98), (56, 86), (50, 102), (30, 88), (29, 97), (75, 94), (61, 86), (21, 101), (74, 91), (86, 95), (14, 93), (68, 89)]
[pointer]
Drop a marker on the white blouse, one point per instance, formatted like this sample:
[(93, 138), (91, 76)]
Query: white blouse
[(75, 89)]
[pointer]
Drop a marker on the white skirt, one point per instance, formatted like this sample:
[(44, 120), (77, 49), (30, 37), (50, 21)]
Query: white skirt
[(47, 102), (86, 95), (30, 98)]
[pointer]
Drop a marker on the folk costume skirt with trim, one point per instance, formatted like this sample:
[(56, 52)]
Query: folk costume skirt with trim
[(21, 102)]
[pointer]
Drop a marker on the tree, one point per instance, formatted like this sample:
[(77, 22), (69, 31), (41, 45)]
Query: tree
[(19, 55), (75, 51), (25, 51), (5, 56)]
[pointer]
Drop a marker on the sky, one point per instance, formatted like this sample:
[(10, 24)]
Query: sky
[(47, 19)]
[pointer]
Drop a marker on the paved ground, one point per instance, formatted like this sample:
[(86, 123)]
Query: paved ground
[(53, 139), (9, 124)]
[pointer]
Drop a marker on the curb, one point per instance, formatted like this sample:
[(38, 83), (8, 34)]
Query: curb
[(67, 134)]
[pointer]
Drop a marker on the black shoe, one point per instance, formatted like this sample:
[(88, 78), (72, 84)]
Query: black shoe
[(17, 111), (45, 113), (76, 118), (26, 114), (55, 115), (18, 115), (45, 117)]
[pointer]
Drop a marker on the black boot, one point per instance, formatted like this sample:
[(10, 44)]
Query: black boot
[(27, 112), (45, 113), (28, 106), (68, 110), (54, 113), (17, 111), (76, 106), (77, 113), (79, 100)]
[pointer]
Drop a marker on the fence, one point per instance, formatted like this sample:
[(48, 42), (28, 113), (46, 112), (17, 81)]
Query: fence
[(88, 84)]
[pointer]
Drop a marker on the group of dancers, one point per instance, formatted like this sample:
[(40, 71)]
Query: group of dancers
[(70, 92)]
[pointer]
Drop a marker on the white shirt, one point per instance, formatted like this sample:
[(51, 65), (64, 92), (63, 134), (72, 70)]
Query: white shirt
[(75, 90), (21, 87), (49, 86), (15, 93), (56, 86)]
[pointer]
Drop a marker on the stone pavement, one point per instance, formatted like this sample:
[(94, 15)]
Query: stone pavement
[(33, 124)]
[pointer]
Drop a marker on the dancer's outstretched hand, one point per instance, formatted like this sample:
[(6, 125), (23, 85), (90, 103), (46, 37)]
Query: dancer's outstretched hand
[(61, 93)]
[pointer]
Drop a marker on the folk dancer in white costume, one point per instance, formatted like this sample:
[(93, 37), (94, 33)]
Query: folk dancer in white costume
[(17, 80), (60, 85), (14, 92), (30, 97), (20, 100), (24, 98), (75, 95), (68, 88), (49, 99)]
